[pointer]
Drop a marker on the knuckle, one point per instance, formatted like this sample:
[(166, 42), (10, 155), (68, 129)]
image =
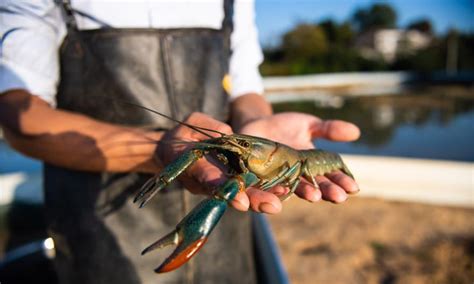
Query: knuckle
[(204, 120), (194, 116), (225, 128), (325, 185)]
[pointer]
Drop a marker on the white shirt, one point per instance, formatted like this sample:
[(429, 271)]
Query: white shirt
[(32, 32)]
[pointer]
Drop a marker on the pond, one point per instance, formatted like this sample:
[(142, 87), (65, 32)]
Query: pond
[(12, 161), (427, 122)]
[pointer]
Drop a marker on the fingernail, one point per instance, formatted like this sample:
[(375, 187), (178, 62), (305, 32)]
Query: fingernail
[(314, 198), (244, 205), (355, 191), (268, 208)]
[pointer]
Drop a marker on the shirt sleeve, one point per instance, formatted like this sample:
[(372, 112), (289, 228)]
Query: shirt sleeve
[(31, 33), (246, 52)]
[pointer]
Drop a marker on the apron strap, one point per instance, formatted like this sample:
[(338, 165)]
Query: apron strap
[(228, 24), (68, 14)]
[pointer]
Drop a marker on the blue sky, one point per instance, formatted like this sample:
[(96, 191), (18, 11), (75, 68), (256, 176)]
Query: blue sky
[(274, 17)]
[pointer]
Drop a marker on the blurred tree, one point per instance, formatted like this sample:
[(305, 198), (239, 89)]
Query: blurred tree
[(329, 47), (452, 43), (422, 25), (338, 34), (466, 51), (435, 56), (340, 55), (305, 41), (424, 60), (375, 17)]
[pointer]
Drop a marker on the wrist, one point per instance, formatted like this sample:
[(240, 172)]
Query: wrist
[(150, 146), (249, 108)]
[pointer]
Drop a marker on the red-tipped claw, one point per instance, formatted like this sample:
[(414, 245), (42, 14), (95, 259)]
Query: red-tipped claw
[(180, 255), (190, 234)]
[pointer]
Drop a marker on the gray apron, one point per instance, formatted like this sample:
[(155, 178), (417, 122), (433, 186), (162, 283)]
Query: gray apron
[(98, 232)]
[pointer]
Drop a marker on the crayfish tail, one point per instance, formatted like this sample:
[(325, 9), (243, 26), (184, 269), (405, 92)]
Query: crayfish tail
[(172, 238), (181, 255), (346, 170)]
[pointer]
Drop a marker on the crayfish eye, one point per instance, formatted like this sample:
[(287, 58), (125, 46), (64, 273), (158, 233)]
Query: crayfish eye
[(244, 143)]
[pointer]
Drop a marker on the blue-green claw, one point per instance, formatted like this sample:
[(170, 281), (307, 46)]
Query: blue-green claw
[(192, 232), (169, 173)]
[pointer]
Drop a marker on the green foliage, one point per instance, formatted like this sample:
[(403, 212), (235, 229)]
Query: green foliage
[(466, 51), (304, 42), (328, 46), (423, 25), (338, 34), (425, 60), (320, 48), (433, 57), (378, 16)]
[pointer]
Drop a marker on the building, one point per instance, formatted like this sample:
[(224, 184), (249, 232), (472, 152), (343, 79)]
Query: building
[(388, 43)]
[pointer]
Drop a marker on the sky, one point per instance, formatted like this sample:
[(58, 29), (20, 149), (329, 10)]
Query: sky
[(274, 17)]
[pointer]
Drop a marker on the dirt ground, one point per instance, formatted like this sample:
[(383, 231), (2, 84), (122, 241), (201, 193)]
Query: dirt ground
[(368, 240)]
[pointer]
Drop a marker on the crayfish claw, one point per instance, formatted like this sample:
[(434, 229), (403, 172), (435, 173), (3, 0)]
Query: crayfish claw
[(192, 232), (183, 252), (148, 190), (172, 238)]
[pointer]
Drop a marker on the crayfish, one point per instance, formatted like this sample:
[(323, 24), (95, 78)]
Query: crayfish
[(254, 161)]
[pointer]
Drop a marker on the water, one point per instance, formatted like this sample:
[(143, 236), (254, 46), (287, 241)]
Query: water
[(12, 161), (431, 123)]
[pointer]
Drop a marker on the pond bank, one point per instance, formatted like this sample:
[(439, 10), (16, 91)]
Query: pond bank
[(368, 240), (414, 180)]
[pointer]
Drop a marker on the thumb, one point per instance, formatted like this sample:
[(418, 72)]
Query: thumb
[(335, 130)]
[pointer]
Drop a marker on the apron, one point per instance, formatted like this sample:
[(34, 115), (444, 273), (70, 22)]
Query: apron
[(98, 232)]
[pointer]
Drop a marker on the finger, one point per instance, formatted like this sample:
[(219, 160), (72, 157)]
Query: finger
[(241, 202), (206, 173), (264, 202), (203, 120), (331, 191), (336, 130), (278, 190), (305, 145), (345, 182), (307, 191), (192, 186)]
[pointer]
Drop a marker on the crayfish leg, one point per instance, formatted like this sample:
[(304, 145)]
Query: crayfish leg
[(169, 173), (292, 190)]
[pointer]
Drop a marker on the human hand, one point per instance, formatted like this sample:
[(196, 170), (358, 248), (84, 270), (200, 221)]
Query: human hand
[(203, 175), (298, 131)]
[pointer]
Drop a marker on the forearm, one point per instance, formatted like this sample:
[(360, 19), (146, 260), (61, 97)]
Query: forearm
[(248, 108), (72, 140)]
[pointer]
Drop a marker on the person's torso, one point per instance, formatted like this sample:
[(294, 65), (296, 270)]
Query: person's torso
[(98, 231)]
